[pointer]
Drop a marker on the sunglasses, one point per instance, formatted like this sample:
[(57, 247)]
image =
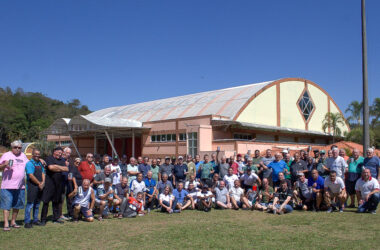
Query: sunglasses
[(17, 147), (77, 162)]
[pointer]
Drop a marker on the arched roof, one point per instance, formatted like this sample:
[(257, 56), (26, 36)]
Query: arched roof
[(224, 102)]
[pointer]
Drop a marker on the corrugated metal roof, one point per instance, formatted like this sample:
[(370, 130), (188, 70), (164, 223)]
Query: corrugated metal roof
[(223, 102)]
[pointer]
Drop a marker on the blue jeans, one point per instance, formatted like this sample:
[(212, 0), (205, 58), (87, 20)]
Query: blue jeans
[(28, 209), (287, 208), (371, 204)]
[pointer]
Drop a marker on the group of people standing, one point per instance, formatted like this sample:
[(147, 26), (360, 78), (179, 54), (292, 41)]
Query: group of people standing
[(111, 187)]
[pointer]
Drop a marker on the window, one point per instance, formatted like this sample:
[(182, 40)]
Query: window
[(192, 143), (306, 105), (153, 138), (163, 138), (247, 137), (182, 137)]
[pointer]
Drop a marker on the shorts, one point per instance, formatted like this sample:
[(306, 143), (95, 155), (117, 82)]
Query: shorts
[(12, 198), (239, 203), (84, 211), (350, 187)]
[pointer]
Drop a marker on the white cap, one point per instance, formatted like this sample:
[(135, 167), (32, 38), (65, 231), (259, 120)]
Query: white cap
[(285, 151)]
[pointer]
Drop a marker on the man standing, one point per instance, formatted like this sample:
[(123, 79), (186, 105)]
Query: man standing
[(56, 165), (84, 201), (367, 190), (35, 182), (12, 193), (335, 190), (372, 162), (337, 163), (266, 172), (166, 168), (355, 166), (87, 168), (65, 190), (223, 167), (206, 170), (298, 166), (256, 161), (123, 165), (144, 167), (179, 171), (191, 169), (276, 167), (132, 170), (155, 169)]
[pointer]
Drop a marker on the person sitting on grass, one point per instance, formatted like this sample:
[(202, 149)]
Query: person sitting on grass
[(193, 181), (230, 178), (182, 197), (248, 179), (84, 201), (265, 196), (167, 200), (222, 196), (238, 199), (104, 198), (121, 193), (302, 193), (282, 202), (334, 192), (281, 176), (131, 206), (316, 183), (151, 194), (192, 190), (252, 195), (367, 191), (205, 199)]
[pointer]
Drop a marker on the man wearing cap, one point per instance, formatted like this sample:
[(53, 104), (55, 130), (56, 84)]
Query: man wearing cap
[(166, 168), (144, 167), (179, 171), (367, 190), (284, 152), (316, 155), (321, 166), (335, 191), (249, 179), (204, 198), (104, 198)]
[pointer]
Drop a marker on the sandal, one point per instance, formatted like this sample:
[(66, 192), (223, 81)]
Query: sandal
[(15, 226), (120, 216), (6, 229)]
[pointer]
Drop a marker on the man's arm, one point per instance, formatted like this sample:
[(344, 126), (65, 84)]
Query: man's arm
[(285, 202), (58, 168), (359, 197), (92, 204), (34, 179), (4, 165)]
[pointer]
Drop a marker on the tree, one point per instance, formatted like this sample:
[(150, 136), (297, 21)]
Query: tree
[(333, 121), (356, 135), (356, 110), (375, 112)]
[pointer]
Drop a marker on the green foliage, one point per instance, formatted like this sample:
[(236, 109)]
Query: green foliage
[(356, 110), (23, 115), (45, 147), (333, 121)]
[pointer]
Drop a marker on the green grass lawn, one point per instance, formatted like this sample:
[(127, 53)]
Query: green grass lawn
[(216, 229)]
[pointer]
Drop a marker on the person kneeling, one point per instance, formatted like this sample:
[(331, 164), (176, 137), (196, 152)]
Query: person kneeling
[(303, 193), (131, 207), (335, 192), (205, 199), (84, 201), (282, 199)]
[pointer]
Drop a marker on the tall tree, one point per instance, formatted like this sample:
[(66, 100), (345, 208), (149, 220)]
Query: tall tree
[(355, 109), (333, 121), (375, 112)]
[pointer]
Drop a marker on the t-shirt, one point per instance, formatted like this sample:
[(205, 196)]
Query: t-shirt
[(115, 168), (283, 195), (297, 167), (288, 174), (102, 176), (355, 168), (223, 169), (162, 185), (166, 197), (150, 185), (266, 161), (249, 180), (13, 178), (135, 204), (144, 169), (137, 187), (366, 187), (373, 165), (256, 161), (202, 194), (265, 195), (133, 168), (221, 195), (191, 169), (337, 164), (320, 182), (236, 193), (56, 177), (166, 169), (155, 170), (196, 184), (277, 167), (121, 191), (336, 186), (206, 170), (304, 188), (193, 193), (229, 180), (179, 172), (87, 170), (180, 195), (101, 190), (31, 166)]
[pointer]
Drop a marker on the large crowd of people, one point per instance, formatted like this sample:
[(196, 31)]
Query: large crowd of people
[(103, 187)]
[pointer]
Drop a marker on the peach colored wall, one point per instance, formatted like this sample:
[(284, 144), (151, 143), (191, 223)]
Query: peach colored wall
[(224, 146), (161, 126), (57, 138), (205, 138)]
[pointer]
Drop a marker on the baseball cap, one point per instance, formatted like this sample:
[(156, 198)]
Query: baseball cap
[(238, 155), (167, 157), (300, 174), (285, 151), (180, 157), (205, 186), (323, 152), (107, 180), (316, 150)]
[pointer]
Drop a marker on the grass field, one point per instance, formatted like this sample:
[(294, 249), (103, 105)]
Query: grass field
[(216, 229)]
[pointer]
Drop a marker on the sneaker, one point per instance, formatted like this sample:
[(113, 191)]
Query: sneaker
[(28, 225), (373, 212), (100, 218), (58, 222), (43, 223), (64, 218), (148, 210), (61, 219), (37, 223), (274, 211), (176, 211), (340, 210), (329, 210)]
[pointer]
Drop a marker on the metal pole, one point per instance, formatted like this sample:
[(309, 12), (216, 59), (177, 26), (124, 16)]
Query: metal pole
[(365, 83), (109, 140), (75, 147), (113, 143), (133, 143), (94, 143)]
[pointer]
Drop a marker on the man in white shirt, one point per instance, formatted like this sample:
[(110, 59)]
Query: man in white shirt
[(193, 181), (337, 163), (230, 178), (368, 192), (205, 199), (138, 186), (238, 200), (335, 191), (249, 179)]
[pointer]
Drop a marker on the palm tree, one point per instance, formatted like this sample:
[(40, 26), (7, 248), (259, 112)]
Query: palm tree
[(375, 111), (355, 108), (333, 121)]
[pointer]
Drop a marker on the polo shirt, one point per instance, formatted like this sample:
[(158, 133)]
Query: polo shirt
[(206, 169), (373, 165), (236, 193), (179, 172), (221, 195), (295, 167), (121, 191), (320, 182), (336, 186), (229, 180), (167, 169), (249, 180), (180, 195), (277, 167), (337, 164), (150, 184), (144, 169), (366, 187), (355, 168), (155, 170), (87, 170), (132, 168), (223, 169)]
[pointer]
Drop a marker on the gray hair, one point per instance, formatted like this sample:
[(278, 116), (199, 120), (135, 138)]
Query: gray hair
[(67, 149), (335, 149), (16, 143), (370, 150), (249, 159)]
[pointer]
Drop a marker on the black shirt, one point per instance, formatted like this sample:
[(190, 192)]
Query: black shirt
[(179, 171), (76, 174), (295, 167), (55, 176), (283, 195)]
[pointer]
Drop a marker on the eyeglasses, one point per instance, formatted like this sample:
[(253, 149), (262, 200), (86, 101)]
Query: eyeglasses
[(17, 147), (77, 162)]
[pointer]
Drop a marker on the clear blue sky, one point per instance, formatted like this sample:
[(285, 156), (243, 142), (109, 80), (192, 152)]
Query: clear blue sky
[(109, 53)]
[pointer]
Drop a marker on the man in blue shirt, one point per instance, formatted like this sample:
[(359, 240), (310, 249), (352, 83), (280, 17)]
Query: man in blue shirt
[(35, 182), (316, 183), (179, 171), (144, 167), (372, 162), (151, 191), (182, 197), (277, 167)]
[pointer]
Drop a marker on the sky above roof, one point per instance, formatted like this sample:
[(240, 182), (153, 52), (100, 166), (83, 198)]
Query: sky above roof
[(112, 53)]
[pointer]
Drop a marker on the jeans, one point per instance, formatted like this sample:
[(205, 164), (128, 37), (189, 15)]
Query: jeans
[(287, 208), (371, 204), (35, 205), (174, 204)]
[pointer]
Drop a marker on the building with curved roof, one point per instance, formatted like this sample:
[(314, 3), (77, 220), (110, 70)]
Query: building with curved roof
[(281, 113)]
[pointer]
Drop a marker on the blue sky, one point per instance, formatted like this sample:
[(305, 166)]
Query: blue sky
[(109, 53)]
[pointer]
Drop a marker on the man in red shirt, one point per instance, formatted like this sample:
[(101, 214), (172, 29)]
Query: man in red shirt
[(87, 168), (131, 207)]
